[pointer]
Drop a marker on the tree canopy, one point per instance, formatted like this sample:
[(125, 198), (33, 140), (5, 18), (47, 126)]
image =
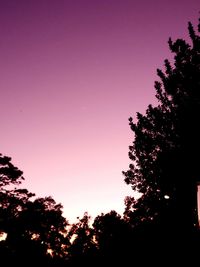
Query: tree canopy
[(34, 228), (164, 154)]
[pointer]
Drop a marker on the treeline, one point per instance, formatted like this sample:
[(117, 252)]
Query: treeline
[(161, 227)]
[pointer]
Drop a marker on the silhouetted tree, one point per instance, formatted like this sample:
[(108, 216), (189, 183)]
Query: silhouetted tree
[(34, 230), (83, 248), (108, 229), (10, 197), (164, 154), (113, 236), (41, 220)]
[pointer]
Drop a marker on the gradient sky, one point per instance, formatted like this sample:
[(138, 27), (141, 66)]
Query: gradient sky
[(72, 73)]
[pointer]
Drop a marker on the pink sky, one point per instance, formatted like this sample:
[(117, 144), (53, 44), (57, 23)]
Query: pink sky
[(72, 73)]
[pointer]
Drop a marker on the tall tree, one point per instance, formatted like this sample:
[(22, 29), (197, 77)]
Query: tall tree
[(164, 154)]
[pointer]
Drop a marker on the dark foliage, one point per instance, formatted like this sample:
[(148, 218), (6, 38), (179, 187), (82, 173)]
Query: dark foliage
[(34, 229), (164, 154)]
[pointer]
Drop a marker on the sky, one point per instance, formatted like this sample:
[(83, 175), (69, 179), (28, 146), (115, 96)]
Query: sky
[(72, 73)]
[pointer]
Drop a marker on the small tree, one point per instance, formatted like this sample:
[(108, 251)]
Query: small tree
[(82, 249), (112, 235), (10, 176), (33, 228), (165, 152)]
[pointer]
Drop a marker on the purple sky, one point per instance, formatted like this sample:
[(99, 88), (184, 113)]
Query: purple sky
[(72, 73)]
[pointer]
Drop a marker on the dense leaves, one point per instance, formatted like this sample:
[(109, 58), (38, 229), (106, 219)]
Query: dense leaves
[(164, 154), (33, 228)]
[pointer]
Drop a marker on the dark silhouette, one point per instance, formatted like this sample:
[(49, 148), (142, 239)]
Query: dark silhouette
[(164, 154), (114, 239), (82, 249), (34, 229)]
